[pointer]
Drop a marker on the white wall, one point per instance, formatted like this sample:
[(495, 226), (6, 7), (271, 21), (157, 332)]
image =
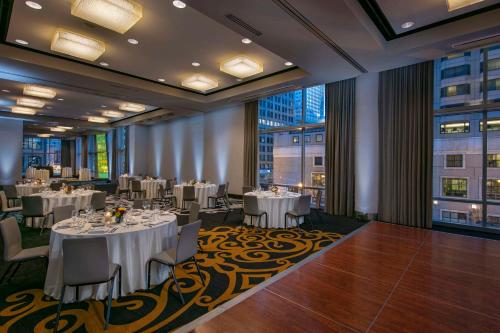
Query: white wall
[(367, 141), (11, 150), (138, 145), (209, 146)]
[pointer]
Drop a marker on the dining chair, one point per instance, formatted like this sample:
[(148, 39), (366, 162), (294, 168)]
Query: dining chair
[(86, 262), (11, 194), (13, 252), (139, 203), (186, 249), (247, 189), (98, 201), (62, 213), (301, 209), (32, 208), (166, 198), (188, 194), (135, 188), (5, 209), (220, 195), (193, 216), (55, 186), (251, 208)]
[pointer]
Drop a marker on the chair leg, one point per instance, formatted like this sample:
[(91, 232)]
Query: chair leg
[(110, 302), (310, 221), (149, 274), (59, 308), (120, 281), (267, 218), (14, 272), (286, 216), (172, 268), (6, 272), (77, 293), (199, 272)]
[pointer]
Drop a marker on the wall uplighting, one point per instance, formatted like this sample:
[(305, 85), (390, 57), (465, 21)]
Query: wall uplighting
[(200, 82), (457, 4), (22, 110), (112, 114), (57, 129), (77, 45), (30, 102), (116, 15), (132, 107), (38, 91), (93, 119), (241, 67)]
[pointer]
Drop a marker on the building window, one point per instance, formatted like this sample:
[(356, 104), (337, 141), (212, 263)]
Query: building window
[(454, 161), (455, 90), (319, 137), (493, 160), (494, 219), (493, 85), (454, 128), (307, 138), (295, 139), (455, 187), (493, 64), (318, 179), (455, 71), (453, 217), (493, 125), (493, 189), (318, 160)]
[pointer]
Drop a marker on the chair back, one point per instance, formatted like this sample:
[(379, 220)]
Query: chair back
[(250, 205), (55, 186), (304, 205), (221, 191), (319, 195), (98, 200), (136, 185), (247, 189), (10, 191), (294, 189), (3, 200), (187, 246), (188, 193), (85, 260), (11, 237), (62, 213), (161, 191), (203, 181), (32, 205), (138, 204), (194, 211)]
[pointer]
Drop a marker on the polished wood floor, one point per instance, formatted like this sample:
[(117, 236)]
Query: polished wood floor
[(385, 278)]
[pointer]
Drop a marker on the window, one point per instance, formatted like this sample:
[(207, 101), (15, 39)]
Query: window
[(493, 160), (493, 64), (493, 189), (102, 156), (318, 179), (318, 160), (42, 152), (455, 71), (92, 155), (494, 219), (493, 85), (78, 153), (307, 138), (319, 137), (295, 139), (455, 187), (455, 161), (453, 217), (461, 89), (453, 128), (493, 125)]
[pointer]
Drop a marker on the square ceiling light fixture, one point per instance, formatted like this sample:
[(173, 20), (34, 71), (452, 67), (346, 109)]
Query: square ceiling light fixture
[(38, 91), (112, 114), (77, 45), (200, 83), (57, 129), (241, 66), (22, 110), (132, 107), (93, 119), (116, 15), (457, 4), (30, 102)]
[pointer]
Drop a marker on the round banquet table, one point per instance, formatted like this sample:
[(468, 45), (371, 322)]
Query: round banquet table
[(152, 186), (30, 172), (29, 189), (276, 206), (130, 246), (84, 174), (202, 192), (67, 172), (123, 181)]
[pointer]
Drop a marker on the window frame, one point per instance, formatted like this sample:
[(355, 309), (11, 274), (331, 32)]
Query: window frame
[(453, 154), (453, 177)]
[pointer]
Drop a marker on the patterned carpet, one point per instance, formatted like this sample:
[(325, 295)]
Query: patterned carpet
[(232, 261)]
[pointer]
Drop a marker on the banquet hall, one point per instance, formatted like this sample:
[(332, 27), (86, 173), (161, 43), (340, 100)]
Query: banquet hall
[(249, 166)]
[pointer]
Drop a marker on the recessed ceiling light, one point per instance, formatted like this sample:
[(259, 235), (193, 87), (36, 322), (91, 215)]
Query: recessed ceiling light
[(179, 4), (103, 106), (39, 91), (22, 42), (105, 64), (60, 99), (116, 15), (30, 102), (241, 66), (288, 63), (132, 107), (457, 4), (65, 127), (22, 110), (200, 82), (93, 119), (44, 135), (161, 80), (57, 129), (77, 45), (5, 91), (133, 41), (246, 40), (112, 114), (407, 25), (195, 64), (33, 4)]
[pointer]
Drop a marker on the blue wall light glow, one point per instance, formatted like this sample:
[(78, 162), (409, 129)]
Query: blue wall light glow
[(11, 143), (197, 148), (177, 147)]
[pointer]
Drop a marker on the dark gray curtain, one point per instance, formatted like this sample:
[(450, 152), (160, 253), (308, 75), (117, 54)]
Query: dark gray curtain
[(85, 152), (114, 152), (339, 150), (251, 144), (72, 152), (127, 142), (66, 153), (405, 124)]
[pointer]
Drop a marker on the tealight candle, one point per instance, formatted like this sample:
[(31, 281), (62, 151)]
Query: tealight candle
[(107, 217)]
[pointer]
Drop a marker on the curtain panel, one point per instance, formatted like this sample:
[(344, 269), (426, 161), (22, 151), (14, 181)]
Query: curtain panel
[(406, 139), (127, 142), (66, 153), (114, 153), (339, 150), (85, 151), (251, 144)]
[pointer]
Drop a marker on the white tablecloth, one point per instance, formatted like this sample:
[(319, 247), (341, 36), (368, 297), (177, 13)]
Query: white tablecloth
[(152, 186), (85, 174), (67, 172), (202, 191), (123, 181), (79, 198), (276, 207), (29, 189), (130, 246), (30, 172), (42, 174)]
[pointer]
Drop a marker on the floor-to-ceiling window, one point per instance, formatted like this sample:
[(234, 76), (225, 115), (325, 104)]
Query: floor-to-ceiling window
[(102, 156), (121, 150), (466, 163), (42, 152), (292, 140)]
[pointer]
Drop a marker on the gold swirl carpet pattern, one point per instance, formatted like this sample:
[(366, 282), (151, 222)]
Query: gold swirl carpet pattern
[(232, 261)]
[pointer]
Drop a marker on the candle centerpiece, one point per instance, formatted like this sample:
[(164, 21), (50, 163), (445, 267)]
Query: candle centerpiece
[(275, 190), (119, 213)]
